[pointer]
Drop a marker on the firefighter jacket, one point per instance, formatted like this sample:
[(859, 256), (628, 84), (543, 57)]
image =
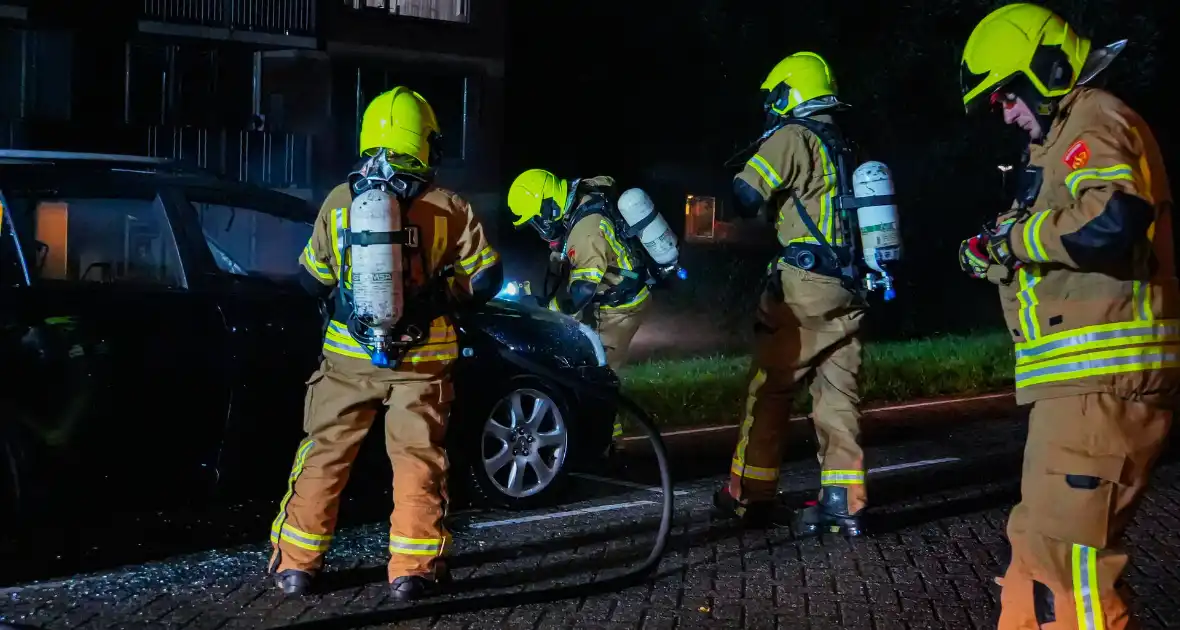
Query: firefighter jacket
[(794, 159), (596, 253), (449, 233), (1093, 306)]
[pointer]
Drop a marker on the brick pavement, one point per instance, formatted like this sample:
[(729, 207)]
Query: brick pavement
[(930, 564)]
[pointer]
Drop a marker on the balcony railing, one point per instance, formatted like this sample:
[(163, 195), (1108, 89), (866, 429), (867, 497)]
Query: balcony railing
[(444, 10), (263, 158), (282, 17)]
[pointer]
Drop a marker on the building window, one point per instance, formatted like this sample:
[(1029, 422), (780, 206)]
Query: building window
[(445, 10), (700, 220)]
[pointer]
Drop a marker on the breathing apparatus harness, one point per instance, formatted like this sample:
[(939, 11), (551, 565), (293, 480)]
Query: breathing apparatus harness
[(843, 261), (633, 280), (388, 345)]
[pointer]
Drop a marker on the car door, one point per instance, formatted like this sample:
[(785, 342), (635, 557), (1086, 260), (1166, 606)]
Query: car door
[(253, 239), (120, 393)]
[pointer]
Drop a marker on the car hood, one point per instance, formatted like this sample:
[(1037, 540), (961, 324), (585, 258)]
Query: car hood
[(534, 332)]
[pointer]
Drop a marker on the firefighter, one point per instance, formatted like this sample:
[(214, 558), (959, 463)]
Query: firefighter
[(604, 286), (399, 133), (808, 318), (1084, 265)]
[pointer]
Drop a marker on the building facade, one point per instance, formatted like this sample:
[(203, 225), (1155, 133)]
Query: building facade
[(265, 91)]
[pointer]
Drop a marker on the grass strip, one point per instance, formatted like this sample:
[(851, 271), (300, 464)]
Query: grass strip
[(710, 390)]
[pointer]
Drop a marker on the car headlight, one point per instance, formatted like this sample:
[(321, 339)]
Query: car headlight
[(595, 342)]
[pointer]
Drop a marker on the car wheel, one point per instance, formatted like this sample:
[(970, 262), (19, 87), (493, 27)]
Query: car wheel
[(519, 447)]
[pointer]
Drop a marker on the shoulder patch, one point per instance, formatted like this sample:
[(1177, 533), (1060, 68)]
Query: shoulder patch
[(1077, 156)]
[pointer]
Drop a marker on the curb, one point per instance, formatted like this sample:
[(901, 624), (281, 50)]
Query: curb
[(997, 401)]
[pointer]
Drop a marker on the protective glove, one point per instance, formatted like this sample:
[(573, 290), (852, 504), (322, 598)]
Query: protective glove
[(999, 245), (974, 257)]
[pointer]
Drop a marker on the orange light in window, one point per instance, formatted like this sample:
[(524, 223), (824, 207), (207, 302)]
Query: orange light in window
[(53, 224)]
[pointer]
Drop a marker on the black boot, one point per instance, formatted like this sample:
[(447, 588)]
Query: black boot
[(830, 515), (756, 515), (293, 582), (408, 588)]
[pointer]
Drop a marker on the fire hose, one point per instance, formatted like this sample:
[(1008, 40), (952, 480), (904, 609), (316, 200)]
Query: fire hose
[(508, 600)]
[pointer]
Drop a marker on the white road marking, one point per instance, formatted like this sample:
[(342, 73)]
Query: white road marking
[(545, 517), (627, 484), (918, 405), (925, 462)]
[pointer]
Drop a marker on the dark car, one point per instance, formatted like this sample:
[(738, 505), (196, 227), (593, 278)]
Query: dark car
[(156, 348)]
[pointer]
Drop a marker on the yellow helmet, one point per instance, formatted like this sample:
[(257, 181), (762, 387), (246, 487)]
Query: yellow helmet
[(404, 124), (1024, 49), (796, 80), (537, 194)]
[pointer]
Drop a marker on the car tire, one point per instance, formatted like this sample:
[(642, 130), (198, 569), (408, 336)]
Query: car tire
[(503, 465)]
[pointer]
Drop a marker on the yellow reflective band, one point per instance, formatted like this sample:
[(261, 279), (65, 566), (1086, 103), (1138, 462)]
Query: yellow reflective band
[(586, 274), (756, 383), (1141, 295), (1098, 337), (842, 477), (769, 175), (296, 470), (315, 266), (339, 225), (618, 429), (1084, 561), (608, 231), (827, 201), (1029, 276), (475, 262), (1032, 236), (741, 469), (442, 344), (1119, 361), (635, 301), (303, 540), (417, 546), (1108, 174)]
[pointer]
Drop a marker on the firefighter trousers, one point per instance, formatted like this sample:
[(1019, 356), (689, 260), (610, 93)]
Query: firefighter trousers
[(340, 407), (616, 328), (810, 333), (1086, 465)]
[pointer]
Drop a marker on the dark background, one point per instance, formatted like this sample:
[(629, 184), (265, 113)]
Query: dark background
[(660, 94)]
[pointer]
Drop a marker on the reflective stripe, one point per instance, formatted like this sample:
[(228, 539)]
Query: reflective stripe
[(418, 546), (618, 429), (1085, 588), (1141, 296), (1032, 236), (842, 477), (1098, 337), (1108, 174), (827, 206), (1029, 276), (477, 262), (739, 454), (1119, 361), (586, 274), (314, 265), (741, 469), (623, 260), (339, 226), (442, 345), (304, 540), (769, 175), (279, 528)]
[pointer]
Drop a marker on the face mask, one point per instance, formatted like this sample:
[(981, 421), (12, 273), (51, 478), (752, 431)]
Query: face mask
[(549, 230)]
